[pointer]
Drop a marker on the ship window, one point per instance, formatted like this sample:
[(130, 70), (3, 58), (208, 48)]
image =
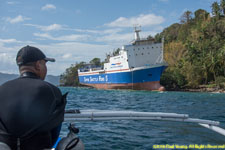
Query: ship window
[(142, 53), (156, 47), (136, 54), (138, 48), (152, 47), (148, 53), (134, 49), (143, 48)]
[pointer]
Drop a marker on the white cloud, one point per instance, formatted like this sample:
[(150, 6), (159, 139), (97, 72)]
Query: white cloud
[(111, 38), (56, 27), (17, 19), (48, 7), (71, 37), (143, 20), (66, 56), (14, 41), (120, 39), (7, 58), (51, 27), (9, 41), (11, 3), (107, 31), (86, 31), (111, 31), (43, 35)]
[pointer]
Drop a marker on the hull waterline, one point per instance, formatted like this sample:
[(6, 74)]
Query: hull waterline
[(148, 86)]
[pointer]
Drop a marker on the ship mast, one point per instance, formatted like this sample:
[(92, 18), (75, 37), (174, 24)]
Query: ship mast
[(137, 29)]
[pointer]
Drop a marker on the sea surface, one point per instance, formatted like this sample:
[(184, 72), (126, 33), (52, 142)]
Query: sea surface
[(142, 134)]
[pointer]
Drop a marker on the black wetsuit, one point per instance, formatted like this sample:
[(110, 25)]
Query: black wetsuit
[(31, 113)]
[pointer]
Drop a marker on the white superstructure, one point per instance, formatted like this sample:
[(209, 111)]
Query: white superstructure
[(140, 53)]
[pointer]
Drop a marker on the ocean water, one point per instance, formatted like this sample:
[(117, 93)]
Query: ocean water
[(142, 134)]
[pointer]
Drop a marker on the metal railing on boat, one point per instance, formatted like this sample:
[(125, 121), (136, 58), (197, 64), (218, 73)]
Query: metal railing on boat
[(106, 115)]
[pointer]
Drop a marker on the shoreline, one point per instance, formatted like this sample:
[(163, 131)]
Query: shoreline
[(200, 89)]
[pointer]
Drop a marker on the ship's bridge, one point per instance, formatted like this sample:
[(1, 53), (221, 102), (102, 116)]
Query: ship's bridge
[(118, 62), (144, 53), (89, 67)]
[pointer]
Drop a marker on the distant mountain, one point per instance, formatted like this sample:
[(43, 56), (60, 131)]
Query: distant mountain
[(4, 77), (52, 79)]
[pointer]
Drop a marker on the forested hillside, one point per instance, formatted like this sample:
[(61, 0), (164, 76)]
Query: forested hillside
[(195, 49)]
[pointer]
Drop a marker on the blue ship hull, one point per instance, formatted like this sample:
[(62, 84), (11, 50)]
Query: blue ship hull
[(124, 79)]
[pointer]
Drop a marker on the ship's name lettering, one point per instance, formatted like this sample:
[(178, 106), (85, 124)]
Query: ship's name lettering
[(93, 79), (96, 79), (101, 78), (86, 79)]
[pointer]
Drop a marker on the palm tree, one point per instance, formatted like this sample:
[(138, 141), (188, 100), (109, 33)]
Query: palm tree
[(216, 9), (222, 6)]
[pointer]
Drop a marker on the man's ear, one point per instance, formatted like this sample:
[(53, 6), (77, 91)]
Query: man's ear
[(37, 65)]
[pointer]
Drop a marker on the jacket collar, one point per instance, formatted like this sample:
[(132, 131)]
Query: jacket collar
[(29, 75)]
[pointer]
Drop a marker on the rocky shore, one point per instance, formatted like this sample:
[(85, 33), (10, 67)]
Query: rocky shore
[(202, 88)]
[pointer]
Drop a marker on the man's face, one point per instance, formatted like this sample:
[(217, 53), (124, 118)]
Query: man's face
[(43, 69)]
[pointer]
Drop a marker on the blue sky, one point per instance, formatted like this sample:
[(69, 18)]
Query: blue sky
[(79, 30)]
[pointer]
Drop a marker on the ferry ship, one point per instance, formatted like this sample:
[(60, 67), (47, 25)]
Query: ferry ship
[(138, 66)]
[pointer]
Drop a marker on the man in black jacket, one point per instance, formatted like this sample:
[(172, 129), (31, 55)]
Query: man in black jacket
[(31, 110)]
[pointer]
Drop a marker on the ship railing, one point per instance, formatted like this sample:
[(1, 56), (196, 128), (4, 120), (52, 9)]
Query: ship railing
[(106, 115), (144, 40), (150, 66), (96, 69), (83, 70), (90, 69)]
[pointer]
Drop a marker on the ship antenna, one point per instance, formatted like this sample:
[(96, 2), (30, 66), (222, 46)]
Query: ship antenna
[(137, 29)]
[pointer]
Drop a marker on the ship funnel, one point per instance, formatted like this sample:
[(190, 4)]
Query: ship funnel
[(137, 29)]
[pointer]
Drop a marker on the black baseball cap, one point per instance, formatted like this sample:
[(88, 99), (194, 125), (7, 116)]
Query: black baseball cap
[(29, 54)]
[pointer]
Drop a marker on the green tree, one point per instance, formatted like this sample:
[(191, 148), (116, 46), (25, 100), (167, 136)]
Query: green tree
[(174, 52), (201, 15), (222, 6), (96, 61), (171, 32), (186, 17), (116, 52), (158, 37), (150, 37), (202, 56), (70, 76), (216, 9)]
